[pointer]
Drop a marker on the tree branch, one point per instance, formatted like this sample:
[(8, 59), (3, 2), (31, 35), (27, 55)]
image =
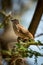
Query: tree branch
[(36, 18), (5, 14), (32, 43)]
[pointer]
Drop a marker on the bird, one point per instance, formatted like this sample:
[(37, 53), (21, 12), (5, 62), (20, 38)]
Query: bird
[(21, 31)]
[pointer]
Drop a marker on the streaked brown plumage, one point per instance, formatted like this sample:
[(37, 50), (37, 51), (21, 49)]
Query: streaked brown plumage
[(22, 32)]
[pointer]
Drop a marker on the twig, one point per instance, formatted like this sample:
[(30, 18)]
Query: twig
[(38, 35), (4, 13), (32, 43)]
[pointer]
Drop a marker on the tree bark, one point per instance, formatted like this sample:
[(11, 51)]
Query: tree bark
[(36, 18)]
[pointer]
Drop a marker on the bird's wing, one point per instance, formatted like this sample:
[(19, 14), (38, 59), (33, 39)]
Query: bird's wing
[(24, 31)]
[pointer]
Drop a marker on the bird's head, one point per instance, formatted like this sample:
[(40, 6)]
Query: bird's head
[(15, 21)]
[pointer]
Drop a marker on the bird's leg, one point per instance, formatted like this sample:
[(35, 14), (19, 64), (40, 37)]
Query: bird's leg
[(22, 39), (19, 38)]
